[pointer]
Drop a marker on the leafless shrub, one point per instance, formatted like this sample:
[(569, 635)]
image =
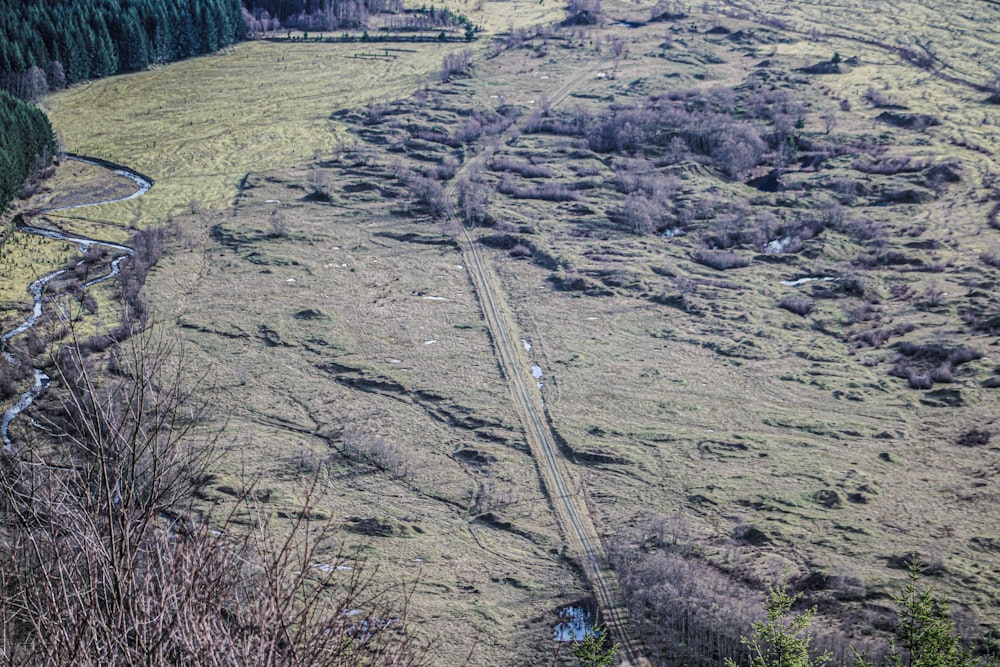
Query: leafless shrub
[(520, 251), (572, 122), (878, 337), (320, 183), (428, 194), (918, 380), (641, 214), (991, 257), (445, 170), (105, 562), (364, 447), (846, 584), (484, 123), (489, 497), (546, 191), (796, 305), (688, 611), (455, 63), (435, 136), (923, 365), (988, 323), (661, 189), (975, 438), (721, 260), (278, 224), (932, 296), (865, 230), (889, 166), (861, 312), (525, 169), (474, 201), (583, 12), (374, 114), (147, 245), (668, 10), (877, 98), (469, 131), (737, 150), (12, 374)]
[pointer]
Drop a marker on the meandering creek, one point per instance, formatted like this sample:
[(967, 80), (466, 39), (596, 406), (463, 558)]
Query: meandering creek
[(37, 288)]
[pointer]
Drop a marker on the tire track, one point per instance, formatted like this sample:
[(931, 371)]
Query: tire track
[(560, 482)]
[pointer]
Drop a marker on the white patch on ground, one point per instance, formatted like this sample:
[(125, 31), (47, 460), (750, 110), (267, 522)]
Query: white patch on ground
[(527, 346), (803, 281), (429, 342)]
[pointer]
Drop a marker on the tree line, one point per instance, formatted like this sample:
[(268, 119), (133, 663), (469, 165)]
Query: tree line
[(266, 17), (47, 45), (263, 16), (25, 140)]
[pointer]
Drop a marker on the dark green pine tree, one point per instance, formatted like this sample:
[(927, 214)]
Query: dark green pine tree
[(925, 636)]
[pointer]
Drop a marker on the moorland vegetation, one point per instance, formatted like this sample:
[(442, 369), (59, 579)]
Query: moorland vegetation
[(750, 282)]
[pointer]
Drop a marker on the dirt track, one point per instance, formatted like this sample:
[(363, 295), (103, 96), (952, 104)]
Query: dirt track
[(561, 484)]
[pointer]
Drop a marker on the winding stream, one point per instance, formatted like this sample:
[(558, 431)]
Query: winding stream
[(37, 288)]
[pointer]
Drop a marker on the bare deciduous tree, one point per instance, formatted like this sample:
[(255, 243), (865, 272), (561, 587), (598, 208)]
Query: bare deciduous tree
[(474, 201), (105, 561)]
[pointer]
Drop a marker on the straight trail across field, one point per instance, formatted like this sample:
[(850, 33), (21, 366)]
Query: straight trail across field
[(563, 486)]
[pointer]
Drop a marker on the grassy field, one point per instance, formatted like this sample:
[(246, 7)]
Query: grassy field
[(199, 126), (334, 314)]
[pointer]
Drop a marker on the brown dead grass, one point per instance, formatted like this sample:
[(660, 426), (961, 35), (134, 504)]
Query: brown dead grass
[(724, 408)]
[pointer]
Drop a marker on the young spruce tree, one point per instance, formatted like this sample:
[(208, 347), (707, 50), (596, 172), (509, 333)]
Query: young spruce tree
[(925, 636), (777, 642)]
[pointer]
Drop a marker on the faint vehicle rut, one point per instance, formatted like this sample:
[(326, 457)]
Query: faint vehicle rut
[(562, 485)]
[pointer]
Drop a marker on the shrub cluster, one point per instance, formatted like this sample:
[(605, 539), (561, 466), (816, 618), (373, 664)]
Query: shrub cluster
[(721, 260), (455, 63), (526, 169), (924, 365), (428, 194), (797, 305), (733, 133), (546, 191), (364, 447)]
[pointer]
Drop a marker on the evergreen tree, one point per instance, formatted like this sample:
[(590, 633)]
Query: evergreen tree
[(95, 38), (593, 650), (25, 138), (779, 641), (925, 636)]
